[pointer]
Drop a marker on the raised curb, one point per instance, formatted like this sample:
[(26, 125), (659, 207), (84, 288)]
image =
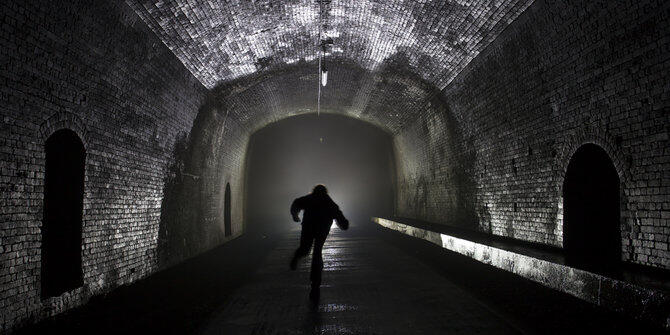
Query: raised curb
[(642, 303)]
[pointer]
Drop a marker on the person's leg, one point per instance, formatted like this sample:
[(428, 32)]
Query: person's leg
[(306, 238), (317, 261)]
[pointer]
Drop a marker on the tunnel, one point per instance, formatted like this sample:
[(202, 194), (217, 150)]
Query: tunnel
[(334, 167), (354, 159)]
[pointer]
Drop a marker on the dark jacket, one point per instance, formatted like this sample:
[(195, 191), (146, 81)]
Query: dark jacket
[(320, 211)]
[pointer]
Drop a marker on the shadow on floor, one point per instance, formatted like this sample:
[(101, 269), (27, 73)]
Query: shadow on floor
[(175, 301), (233, 288)]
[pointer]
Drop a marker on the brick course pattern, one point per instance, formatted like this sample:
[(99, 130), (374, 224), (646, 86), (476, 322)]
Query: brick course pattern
[(219, 41), (559, 76), (486, 116), (102, 73), (263, 54), (486, 102)]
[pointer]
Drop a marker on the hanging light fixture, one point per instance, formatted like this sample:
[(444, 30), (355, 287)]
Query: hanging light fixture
[(321, 81), (325, 44), (322, 52), (324, 74)]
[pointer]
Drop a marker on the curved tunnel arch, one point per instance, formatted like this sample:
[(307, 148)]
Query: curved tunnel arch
[(353, 158), (389, 97), (439, 42), (394, 94), (482, 99), (217, 146)]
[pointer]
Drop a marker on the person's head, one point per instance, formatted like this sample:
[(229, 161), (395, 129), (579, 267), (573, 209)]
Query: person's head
[(320, 190)]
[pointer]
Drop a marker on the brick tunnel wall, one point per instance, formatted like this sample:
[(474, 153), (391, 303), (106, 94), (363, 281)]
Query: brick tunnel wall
[(558, 77), (98, 70), (488, 152)]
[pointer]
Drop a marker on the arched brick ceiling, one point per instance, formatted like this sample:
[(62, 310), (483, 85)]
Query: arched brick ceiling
[(255, 42), (388, 98)]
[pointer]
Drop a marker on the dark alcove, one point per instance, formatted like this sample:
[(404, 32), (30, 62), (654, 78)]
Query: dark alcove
[(591, 229), (226, 211), (62, 222)]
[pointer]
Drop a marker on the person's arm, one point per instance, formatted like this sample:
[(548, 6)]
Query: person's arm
[(296, 207), (342, 222)]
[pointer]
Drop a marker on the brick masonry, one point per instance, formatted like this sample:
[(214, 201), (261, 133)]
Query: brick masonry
[(262, 55), (164, 95), (502, 102), (219, 41), (101, 72), (560, 76)]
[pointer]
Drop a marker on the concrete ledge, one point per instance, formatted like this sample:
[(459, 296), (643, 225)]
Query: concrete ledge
[(646, 304)]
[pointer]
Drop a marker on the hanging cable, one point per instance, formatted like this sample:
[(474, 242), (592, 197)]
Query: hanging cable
[(318, 97)]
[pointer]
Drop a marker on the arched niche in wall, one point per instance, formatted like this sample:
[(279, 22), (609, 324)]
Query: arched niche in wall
[(227, 224), (61, 269), (591, 210)]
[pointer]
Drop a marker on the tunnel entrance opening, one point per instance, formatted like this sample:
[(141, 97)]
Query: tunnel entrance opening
[(352, 158), (61, 269), (227, 224), (591, 229)]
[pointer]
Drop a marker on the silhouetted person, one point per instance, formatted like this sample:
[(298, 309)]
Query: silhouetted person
[(319, 212)]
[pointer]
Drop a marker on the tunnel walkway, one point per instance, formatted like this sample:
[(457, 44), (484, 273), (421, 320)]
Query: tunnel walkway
[(376, 281), (369, 288)]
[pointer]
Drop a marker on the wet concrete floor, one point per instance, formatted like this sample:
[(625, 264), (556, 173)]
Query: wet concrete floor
[(375, 281), (369, 287)]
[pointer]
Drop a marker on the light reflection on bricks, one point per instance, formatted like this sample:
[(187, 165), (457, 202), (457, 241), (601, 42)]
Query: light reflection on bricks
[(220, 41)]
